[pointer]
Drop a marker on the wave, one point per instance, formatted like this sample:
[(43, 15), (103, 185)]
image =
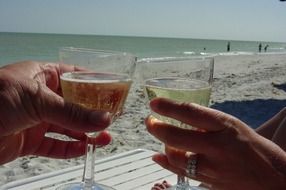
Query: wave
[(282, 50), (199, 54), (277, 48), (217, 53), (189, 52), (236, 53)]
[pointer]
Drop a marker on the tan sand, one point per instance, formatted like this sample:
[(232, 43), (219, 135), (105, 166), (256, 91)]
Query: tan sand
[(251, 87)]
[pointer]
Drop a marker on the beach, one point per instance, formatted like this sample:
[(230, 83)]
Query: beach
[(251, 87)]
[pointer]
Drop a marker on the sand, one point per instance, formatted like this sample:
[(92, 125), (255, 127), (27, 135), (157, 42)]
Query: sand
[(251, 87)]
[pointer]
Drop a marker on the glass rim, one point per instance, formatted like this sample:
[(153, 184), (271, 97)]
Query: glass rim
[(126, 77), (90, 50)]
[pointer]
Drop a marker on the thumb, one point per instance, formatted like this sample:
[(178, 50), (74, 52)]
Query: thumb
[(55, 110)]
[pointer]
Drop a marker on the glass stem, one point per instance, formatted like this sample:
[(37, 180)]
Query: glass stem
[(182, 182), (88, 175)]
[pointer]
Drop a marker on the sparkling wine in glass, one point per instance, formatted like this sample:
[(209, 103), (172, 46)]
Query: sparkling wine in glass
[(101, 81), (182, 79)]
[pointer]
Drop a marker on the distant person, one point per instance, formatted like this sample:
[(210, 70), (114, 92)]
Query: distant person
[(228, 46), (265, 48), (259, 47)]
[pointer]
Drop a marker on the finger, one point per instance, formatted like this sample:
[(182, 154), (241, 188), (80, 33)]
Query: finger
[(104, 138), (52, 72), (70, 133), (156, 187), (193, 114), (55, 148), (63, 68), (161, 186), (53, 109), (166, 184), (188, 140), (162, 160), (181, 158)]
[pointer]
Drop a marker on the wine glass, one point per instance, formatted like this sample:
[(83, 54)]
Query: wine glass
[(100, 81), (182, 79)]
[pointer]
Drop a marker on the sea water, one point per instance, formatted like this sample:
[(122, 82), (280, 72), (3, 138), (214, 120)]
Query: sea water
[(44, 47)]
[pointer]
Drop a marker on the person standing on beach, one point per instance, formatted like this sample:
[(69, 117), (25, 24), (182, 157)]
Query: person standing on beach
[(228, 46), (259, 47), (32, 105), (265, 48)]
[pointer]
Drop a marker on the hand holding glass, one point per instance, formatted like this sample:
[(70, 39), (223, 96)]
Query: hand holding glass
[(101, 81), (182, 79)]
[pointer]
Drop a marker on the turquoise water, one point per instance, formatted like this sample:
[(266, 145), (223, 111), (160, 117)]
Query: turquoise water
[(23, 46)]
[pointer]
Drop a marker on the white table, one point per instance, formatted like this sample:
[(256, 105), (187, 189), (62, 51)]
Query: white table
[(132, 170)]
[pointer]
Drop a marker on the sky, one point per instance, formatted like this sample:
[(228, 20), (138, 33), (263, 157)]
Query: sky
[(250, 20)]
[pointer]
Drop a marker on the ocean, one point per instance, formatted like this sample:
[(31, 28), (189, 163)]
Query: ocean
[(44, 47)]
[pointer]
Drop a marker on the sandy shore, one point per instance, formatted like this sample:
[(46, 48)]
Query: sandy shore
[(251, 87)]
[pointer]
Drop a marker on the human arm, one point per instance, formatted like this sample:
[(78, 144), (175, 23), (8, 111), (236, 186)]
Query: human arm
[(230, 154), (31, 105)]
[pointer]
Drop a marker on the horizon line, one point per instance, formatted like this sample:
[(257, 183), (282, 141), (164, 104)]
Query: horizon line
[(138, 36)]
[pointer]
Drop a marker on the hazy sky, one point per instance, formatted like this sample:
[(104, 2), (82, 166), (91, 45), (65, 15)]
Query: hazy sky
[(256, 20)]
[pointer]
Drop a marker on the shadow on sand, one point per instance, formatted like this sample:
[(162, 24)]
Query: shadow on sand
[(280, 86), (254, 112)]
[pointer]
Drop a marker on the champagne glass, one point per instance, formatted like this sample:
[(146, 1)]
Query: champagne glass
[(101, 81), (182, 79)]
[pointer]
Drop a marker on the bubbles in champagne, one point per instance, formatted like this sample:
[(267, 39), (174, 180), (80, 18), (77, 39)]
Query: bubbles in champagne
[(99, 91), (180, 90)]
